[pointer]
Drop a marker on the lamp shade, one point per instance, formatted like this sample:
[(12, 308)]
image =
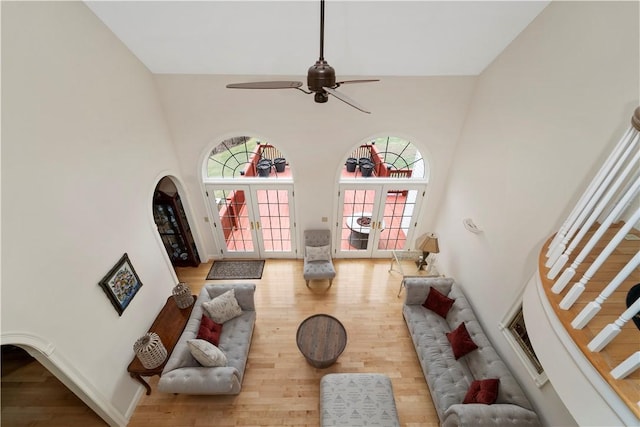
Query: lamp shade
[(428, 243)]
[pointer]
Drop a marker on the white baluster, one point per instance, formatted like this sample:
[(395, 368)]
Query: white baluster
[(629, 365), (579, 287), (620, 180), (609, 332), (604, 170), (594, 306), (613, 215), (610, 208), (560, 248)]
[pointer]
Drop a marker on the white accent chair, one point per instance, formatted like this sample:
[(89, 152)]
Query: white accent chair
[(317, 256)]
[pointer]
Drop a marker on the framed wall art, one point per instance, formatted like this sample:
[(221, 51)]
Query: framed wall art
[(121, 284), (515, 331)]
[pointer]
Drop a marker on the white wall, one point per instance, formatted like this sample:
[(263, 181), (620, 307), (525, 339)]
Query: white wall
[(315, 138), (84, 143), (543, 117)]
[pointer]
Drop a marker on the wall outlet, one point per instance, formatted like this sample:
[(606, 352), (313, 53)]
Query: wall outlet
[(325, 219), (206, 219)]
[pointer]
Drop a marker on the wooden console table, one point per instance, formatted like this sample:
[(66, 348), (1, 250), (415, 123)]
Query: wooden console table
[(169, 326)]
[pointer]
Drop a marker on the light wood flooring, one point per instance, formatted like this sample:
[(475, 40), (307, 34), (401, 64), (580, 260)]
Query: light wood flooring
[(280, 387), (33, 397)]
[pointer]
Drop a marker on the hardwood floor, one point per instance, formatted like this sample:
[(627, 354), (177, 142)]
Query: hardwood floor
[(280, 387), (33, 397)]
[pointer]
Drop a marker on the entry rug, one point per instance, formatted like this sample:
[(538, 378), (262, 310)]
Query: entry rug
[(226, 270)]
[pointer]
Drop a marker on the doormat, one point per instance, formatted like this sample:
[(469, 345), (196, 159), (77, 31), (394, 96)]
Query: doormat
[(225, 270)]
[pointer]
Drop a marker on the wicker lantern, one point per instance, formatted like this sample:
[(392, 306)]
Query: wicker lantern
[(182, 295), (150, 350)]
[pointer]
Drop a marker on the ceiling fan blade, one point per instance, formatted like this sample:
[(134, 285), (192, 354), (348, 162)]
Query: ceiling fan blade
[(356, 81), (266, 85), (344, 98)]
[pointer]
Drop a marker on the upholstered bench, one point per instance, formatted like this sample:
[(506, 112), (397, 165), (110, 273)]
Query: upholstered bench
[(357, 400)]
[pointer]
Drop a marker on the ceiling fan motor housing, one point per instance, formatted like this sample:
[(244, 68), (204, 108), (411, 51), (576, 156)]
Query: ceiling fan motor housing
[(321, 75)]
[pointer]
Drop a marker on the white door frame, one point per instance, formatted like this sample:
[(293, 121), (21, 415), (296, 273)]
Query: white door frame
[(382, 188), (253, 225)]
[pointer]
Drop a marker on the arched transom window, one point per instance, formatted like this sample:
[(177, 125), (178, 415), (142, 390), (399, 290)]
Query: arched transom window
[(246, 156), (386, 157)]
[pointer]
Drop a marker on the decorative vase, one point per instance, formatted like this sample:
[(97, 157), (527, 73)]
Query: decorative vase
[(182, 295), (150, 350)]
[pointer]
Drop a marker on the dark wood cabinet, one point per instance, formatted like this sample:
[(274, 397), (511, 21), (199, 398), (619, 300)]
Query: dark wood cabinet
[(174, 229)]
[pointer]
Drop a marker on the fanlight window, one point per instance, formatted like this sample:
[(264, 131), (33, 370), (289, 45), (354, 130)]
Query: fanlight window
[(386, 157), (246, 156)]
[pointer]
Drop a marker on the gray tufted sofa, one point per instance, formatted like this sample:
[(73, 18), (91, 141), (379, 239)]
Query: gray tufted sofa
[(449, 379), (183, 374)]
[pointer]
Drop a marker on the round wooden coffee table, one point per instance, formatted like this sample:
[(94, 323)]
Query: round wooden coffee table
[(321, 339)]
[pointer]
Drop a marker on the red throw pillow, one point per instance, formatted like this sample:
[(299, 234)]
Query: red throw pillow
[(483, 391), (437, 302), (209, 330), (461, 342)]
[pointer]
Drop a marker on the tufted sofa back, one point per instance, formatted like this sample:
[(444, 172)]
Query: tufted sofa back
[(481, 363), (244, 293)]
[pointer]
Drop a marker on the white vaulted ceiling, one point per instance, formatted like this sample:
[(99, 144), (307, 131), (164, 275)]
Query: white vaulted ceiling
[(362, 38)]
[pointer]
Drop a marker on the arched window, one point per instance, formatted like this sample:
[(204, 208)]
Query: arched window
[(246, 156), (249, 189), (382, 186), (386, 157)]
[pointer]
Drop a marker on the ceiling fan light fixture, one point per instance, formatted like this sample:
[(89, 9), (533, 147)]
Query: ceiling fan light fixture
[(321, 75), (321, 97)]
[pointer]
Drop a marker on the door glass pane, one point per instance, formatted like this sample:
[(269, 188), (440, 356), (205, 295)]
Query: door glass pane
[(273, 209), (399, 206), (234, 220), (357, 212)]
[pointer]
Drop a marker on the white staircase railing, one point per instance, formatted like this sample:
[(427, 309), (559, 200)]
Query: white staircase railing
[(612, 195), (568, 273), (558, 244)]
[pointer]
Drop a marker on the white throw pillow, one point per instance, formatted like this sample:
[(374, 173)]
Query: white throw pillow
[(206, 353), (224, 307), (318, 253)]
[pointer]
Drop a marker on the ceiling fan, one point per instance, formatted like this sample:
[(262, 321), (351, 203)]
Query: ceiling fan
[(321, 78)]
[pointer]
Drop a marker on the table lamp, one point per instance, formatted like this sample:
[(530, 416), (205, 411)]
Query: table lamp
[(427, 243)]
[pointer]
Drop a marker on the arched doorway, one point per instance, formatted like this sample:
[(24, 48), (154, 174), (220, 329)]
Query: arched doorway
[(382, 187), (173, 225), (249, 187), (57, 364)]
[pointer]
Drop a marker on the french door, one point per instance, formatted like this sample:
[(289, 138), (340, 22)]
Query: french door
[(253, 220), (374, 219)]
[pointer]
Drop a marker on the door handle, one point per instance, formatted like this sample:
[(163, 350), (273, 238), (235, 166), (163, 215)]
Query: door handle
[(257, 225), (251, 223)]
